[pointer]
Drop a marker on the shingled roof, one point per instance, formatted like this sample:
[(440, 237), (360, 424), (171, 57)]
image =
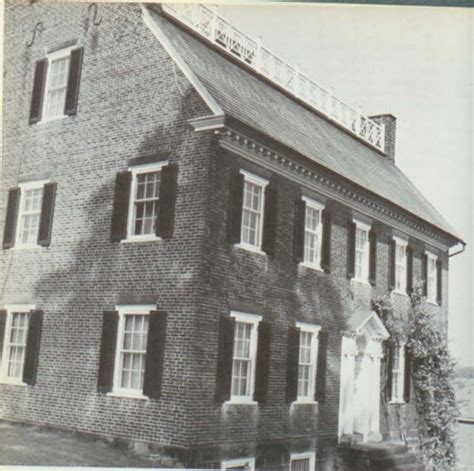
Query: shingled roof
[(253, 101)]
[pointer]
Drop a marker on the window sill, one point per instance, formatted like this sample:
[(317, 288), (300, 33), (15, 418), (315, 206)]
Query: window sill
[(400, 292), (433, 303), (50, 119), (241, 401), (128, 395), (304, 401), (250, 248), (397, 402), (311, 266), (135, 239), (361, 281), (27, 247), (13, 382)]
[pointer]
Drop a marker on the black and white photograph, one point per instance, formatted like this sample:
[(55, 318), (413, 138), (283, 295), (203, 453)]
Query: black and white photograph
[(237, 236)]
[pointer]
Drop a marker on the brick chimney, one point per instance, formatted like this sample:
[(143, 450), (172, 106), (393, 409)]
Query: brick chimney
[(390, 133)]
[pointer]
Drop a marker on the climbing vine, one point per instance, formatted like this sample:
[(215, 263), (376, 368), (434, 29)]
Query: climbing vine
[(433, 376)]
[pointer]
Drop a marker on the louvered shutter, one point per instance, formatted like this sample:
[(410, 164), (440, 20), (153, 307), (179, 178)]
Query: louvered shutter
[(74, 79), (155, 354), (167, 203), (439, 281), (351, 240), (292, 364), (3, 322), (224, 359), (270, 219), (47, 214), (320, 392), (424, 274), (392, 264), (234, 217), (107, 351), (407, 377), (32, 350), (37, 95), (326, 242), (409, 255), (123, 182), (9, 231), (389, 374), (262, 372), (372, 257), (298, 237)]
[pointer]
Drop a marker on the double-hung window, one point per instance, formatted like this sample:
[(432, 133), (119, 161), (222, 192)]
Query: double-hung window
[(313, 233), (303, 461), (31, 197), (308, 351), (56, 84), (361, 264), (244, 356), (398, 372), (400, 265), (431, 282), (252, 211)]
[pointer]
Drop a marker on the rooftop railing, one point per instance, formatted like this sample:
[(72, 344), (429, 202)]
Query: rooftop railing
[(222, 33)]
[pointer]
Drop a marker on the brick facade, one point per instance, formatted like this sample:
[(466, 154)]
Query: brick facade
[(134, 101)]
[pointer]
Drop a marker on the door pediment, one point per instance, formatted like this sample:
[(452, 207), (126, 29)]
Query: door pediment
[(368, 323)]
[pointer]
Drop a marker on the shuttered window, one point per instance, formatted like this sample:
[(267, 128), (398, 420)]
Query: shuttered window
[(145, 207), (361, 252), (400, 265), (30, 212), (56, 87), (303, 461), (431, 278), (307, 361), (313, 233)]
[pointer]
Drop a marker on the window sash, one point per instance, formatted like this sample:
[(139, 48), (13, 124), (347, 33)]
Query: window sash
[(361, 253), (15, 345), (400, 267), (31, 198), (398, 373), (56, 88), (312, 238), (431, 279), (306, 365), (145, 202), (252, 214)]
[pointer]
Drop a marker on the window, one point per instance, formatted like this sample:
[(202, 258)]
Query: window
[(131, 349), (244, 356), (400, 265), (307, 361), (313, 233), (361, 264), (252, 211), (56, 84), (398, 372), (431, 284), (247, 464), (144, 201), (303, 461), (14, 346)]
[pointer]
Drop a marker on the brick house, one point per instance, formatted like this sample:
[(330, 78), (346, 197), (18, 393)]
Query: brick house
[(193, 236)]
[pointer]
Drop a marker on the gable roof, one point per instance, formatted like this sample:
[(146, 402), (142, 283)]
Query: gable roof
[(254, 102)]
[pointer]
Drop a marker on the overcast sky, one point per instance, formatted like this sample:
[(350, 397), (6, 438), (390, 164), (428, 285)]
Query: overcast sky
[(413, 62)]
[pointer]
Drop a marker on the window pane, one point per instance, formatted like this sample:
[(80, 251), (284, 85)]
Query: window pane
[(146, 203), (300, 464), (251, 214), (17, 344)]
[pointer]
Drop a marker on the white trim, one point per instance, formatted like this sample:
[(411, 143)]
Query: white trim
[(150, 167), (206, 123), (252, 178), (240, 316), (173, 53), (229, 464), (431, 297), (364, 226), (250, 248), (306, 326), (361, 224), (401, 242), (317, 206), (313, 203), (311, 455)]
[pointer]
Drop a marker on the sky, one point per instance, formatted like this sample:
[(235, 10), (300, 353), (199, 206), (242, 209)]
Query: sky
[(415, 63)]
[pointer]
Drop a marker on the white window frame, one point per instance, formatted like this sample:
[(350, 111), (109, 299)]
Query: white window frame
[(400, 242), (138, 170), (262, 183), (254, 320), (229, 464), (398, 376), (26, 186), (363, 226), (124, 309), (311, 455), (51, 57), (431, 287), (12, 308), (315, 205)]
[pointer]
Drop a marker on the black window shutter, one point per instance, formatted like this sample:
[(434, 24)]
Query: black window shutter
[(292, 364), (298, 237), (409, 255), (47, 213), (74, 79), (351, 236), (326, 242), (389, 363), (372, 257), (120, 208), (392, 265), (424, 274), (320, 392), (167, 203), (9, 231), (234, 217), (270, 220), (37, 96), (107, 351), (224, 359), (407, 378), (3, 321), (155, 354), (33, 340), (439, 281), (263, 362)]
